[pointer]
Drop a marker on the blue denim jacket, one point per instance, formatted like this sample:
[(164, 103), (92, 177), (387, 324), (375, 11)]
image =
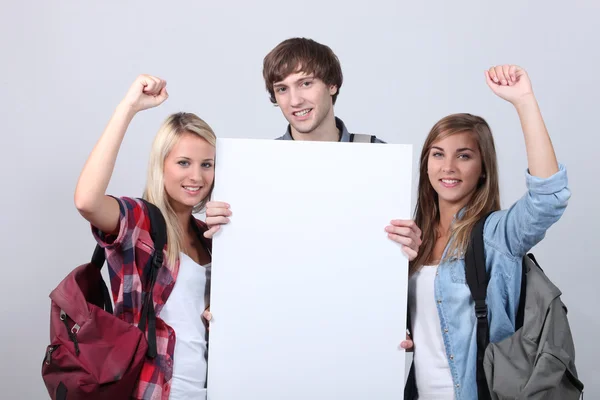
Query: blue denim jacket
[(508, 236)]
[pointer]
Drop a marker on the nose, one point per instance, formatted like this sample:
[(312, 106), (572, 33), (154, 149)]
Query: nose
[(296, 99), (196, 175), (448, 166)]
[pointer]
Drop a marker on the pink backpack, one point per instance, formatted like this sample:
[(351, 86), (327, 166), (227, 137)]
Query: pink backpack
[(92, 353)]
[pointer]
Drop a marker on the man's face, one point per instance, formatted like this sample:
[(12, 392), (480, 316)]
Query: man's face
[(305, 101)]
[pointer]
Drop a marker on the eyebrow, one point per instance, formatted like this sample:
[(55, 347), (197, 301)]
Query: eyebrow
[(457, 150), (189, 159), (302, 79)]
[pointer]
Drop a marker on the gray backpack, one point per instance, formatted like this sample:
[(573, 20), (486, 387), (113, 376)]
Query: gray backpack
[(538, 360), (362, 138)]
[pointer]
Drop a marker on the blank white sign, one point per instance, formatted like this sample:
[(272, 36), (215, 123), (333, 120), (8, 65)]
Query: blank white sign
[(308, 293)]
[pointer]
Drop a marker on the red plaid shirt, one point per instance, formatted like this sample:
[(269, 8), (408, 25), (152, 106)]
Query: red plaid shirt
[(127, 255)]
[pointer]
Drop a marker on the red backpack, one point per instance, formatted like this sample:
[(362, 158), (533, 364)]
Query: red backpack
[(93, 354)]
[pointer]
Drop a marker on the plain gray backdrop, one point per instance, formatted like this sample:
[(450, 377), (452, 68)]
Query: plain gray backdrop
[(66, 64)]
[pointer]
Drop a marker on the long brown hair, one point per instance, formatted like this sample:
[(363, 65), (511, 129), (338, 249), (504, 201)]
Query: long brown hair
[(485, 199)]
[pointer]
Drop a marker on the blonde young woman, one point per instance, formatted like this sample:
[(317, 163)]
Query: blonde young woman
[(459, 185), (179, 182)]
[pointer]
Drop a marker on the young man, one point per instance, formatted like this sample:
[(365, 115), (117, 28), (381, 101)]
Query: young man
[(303, 78)]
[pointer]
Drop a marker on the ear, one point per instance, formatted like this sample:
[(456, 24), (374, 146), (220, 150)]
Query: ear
[(332, 90)]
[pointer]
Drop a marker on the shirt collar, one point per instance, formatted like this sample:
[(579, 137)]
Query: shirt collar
[(344, 134)]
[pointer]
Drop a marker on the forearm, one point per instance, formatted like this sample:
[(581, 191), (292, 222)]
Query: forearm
[(541, 158), (98, 169)]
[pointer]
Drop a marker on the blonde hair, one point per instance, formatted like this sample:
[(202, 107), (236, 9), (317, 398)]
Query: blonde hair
[(485, 199), (170, 132)]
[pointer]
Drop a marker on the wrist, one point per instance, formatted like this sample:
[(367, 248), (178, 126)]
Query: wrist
[(524, 102), (126, 110)]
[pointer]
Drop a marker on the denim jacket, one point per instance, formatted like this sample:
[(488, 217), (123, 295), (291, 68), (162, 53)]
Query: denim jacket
[(508, 236)]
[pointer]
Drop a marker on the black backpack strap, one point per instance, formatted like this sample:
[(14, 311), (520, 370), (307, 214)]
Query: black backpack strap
[(477, 280), (520, 317), (158, 232), (98, 259), (362, 138)]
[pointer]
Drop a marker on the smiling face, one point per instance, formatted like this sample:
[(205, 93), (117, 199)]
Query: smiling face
[(457, 171), (189, 171), (305, 101), (454, 167)]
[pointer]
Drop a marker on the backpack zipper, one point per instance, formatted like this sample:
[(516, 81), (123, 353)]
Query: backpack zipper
[(72, 333), (49, 352)]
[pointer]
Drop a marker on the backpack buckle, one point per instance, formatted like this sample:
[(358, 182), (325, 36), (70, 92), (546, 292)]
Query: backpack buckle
[(157, 260), (481, 310)]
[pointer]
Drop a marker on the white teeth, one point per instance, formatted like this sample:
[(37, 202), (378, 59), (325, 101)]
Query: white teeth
[(450, 181), (302, 113), (192, 188)]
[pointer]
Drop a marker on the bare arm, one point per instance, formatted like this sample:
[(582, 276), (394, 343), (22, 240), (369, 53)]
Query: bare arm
[(525, 223), (512, 84), (540, 152), (90, 194)]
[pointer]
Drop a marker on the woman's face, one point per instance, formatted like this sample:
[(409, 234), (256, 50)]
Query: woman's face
[(189, 171), (454, 168)]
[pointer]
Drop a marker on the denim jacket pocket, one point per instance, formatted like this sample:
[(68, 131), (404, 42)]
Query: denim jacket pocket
[(457, 270)]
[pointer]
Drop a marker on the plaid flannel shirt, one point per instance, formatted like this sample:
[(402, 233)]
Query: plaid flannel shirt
[(128, 255)]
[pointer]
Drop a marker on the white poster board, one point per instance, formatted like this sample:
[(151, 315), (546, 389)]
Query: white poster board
[(308, 293)]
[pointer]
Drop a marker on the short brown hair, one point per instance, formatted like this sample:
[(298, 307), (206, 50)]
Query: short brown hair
[(301, 54)]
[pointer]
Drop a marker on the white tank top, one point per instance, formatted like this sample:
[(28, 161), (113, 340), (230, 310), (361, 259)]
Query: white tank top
[(183, 312), (432, 372)]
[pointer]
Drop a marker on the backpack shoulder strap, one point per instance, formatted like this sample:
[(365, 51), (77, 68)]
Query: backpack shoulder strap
[(158, 233), (158, 225), (362, 138), (477, 280), (98, 260)]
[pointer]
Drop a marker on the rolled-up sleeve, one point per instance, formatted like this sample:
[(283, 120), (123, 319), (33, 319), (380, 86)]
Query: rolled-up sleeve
[(131, 215), (519, 228)]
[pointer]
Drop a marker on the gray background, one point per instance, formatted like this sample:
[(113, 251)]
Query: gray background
[(65, 65)]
